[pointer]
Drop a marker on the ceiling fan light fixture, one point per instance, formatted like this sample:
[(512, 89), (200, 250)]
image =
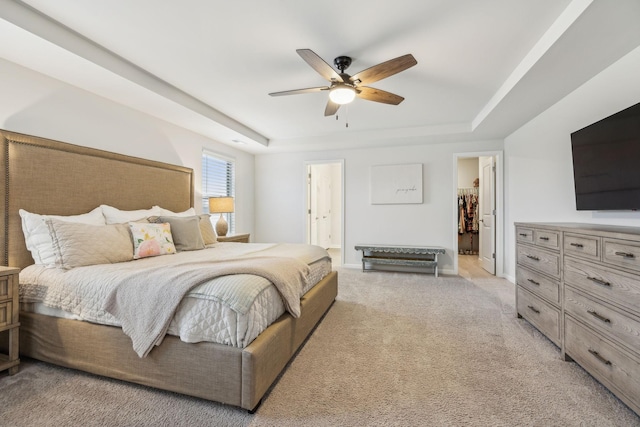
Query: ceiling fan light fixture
[(342, 94)]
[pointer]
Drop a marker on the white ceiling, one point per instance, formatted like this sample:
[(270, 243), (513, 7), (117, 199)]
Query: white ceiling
[(484, 67)]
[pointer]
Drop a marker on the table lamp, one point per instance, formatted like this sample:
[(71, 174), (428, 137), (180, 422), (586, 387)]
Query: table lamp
[(221, 205)]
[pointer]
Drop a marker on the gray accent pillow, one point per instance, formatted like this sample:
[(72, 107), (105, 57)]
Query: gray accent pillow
[(185, 231)]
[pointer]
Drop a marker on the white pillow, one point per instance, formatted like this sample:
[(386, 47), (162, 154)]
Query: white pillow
[(116, 216), (38, 238), (76, 244), (167, 212)]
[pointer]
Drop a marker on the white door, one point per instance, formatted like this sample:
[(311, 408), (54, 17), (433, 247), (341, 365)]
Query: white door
[(312, 223), (320, 206), (487, 200)]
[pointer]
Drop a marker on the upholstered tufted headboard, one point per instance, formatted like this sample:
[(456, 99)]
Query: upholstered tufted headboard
[(50, 177)]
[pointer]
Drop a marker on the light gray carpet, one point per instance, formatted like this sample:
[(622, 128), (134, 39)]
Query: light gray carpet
[(395, 349)]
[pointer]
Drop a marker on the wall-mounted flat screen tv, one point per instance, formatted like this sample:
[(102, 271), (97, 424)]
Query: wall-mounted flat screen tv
[(606, 162)]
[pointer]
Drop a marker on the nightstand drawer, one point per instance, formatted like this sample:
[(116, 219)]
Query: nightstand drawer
[(540, 314), (582, 246), (539, 260), (538, 284), (9, 322), (6, 291), (5, 314)]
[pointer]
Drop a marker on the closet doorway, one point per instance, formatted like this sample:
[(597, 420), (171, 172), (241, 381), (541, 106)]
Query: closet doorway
[(324, 206), (476, 217)]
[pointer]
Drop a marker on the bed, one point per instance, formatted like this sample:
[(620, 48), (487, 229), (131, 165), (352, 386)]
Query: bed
[(45, 176)]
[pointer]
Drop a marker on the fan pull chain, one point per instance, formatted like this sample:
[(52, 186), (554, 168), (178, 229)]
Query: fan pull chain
[(346, 122)]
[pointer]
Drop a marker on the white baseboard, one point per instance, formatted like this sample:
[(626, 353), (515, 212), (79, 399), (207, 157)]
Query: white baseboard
[(510, 278), (352, 266)]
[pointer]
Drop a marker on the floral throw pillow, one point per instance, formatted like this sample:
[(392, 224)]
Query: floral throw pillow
[(151, 239)]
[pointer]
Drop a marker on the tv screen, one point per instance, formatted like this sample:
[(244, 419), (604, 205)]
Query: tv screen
[(606, 162)]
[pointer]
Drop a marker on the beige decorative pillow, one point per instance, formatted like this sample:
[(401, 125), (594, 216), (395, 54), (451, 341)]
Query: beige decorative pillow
[(206, 229), (76, 245), (185, 231)]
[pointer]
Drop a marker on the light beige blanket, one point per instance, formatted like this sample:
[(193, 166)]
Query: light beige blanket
[(145, 301)]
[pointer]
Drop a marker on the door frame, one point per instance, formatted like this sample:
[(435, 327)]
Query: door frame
[(308, 163), (499, 158)]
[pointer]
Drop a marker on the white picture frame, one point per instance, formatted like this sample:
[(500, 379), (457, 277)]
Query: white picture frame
[(396, 184)]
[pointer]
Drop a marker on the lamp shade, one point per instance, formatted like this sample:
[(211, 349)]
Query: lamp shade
[(221, 204)]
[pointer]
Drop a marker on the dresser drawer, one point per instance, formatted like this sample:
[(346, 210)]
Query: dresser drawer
[(623, 253), (524, 234), (616, 287), (538, 284), (614, 367), (5, 314), (540, 314), (547, 239), (539, 260), (582, 246), (612, 323)]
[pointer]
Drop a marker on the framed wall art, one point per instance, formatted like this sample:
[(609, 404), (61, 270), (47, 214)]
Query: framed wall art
[(396, 184)]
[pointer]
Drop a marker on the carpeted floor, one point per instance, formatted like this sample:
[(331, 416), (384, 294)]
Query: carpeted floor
[(395, 349)]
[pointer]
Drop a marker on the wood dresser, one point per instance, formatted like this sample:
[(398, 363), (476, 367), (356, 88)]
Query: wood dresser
[(579, 284)]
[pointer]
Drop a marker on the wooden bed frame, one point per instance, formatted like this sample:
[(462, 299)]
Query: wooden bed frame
[(51, 177)]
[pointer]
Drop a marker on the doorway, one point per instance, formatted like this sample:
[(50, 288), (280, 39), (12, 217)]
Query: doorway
[(477, 217), (324, 206)]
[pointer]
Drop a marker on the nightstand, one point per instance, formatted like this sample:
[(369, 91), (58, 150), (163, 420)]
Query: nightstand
[(9, 309), (240, 238)]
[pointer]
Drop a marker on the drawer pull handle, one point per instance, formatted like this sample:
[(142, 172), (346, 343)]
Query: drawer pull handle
[(577, 245), (598, 281), (535, 258), (544, 238), (598, 316), (532, 308), (625, 254), (524, 234), (534, 282), (600, 358)]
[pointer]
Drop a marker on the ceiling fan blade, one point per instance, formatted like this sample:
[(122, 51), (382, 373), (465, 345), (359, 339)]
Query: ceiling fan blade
[(318, 64), (299, 91), (331, 108), (378, 95), (384, 70)]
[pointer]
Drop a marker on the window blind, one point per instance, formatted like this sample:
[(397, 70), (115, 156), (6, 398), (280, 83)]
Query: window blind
[(218, 179)]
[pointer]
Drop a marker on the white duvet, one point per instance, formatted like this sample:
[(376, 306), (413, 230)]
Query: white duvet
[(201, 316)]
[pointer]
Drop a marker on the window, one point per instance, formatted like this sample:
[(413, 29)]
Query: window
[(218, 179)]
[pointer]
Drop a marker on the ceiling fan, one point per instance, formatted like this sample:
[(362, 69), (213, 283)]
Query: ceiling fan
[(343, 88)]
